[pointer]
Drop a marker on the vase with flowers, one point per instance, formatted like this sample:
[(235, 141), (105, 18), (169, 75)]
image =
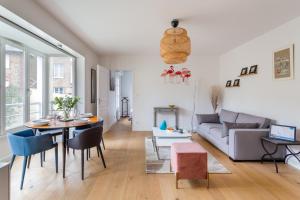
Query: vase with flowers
[(66, 104), (215, 97)]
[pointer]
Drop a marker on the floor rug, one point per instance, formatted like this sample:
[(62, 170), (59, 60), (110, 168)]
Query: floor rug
[(155, 166)]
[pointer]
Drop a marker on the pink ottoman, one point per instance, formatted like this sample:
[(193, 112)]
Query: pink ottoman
[(189, 161)]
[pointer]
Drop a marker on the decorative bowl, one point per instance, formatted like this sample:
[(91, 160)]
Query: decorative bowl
[(66, 120), (172, 106), (86, 115), (82, 120), (40, 122), (170, 130)]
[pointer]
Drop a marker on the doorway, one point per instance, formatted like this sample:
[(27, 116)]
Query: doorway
[(114, 96), (124, 95)]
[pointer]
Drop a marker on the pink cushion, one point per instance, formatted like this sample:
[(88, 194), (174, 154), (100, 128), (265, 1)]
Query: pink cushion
[(189, 160)]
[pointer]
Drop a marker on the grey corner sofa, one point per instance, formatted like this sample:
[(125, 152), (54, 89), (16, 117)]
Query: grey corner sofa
[(239, 144)]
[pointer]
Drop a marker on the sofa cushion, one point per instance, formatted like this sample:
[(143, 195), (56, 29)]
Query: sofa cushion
[(227, 116), (216, 132), (228, 125), (208, 118), (205, 127), (246, 118)]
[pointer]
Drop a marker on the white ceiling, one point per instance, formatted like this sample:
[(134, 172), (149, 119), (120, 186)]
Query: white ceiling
[(136, 26)]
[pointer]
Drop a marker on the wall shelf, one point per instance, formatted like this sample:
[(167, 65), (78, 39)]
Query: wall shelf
[(252, 74), (231, 86)]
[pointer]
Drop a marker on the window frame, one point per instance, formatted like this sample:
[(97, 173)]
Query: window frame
[(5, 42), (44, 86), (2, 91)]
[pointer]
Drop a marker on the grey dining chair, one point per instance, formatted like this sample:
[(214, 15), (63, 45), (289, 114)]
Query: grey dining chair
[(85, 140)]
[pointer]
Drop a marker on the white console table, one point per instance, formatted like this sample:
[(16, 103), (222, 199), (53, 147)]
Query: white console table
[(165, 110)]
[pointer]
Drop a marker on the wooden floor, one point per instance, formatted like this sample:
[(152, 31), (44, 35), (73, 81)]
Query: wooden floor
[(124, 177)]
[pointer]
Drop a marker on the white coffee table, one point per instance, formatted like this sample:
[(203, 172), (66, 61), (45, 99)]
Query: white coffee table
[(165, 138)]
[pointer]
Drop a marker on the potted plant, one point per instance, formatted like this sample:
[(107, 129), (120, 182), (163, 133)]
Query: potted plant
[(66, 104)]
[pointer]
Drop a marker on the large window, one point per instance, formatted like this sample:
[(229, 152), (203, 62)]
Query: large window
[(60, 77), (58, 70), (36, 85), (29, 81), (14, 86)]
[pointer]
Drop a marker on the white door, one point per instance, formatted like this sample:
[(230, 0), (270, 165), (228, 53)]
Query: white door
[(103, 95)]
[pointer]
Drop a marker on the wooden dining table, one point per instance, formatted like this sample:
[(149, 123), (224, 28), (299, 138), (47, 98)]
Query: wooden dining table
[(65, 126)]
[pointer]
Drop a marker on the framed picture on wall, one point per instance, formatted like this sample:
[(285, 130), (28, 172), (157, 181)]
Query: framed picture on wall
[(112, 80), (253, 69), (236, 83), (283, 63), (244, 71), (93, 85), (228, 83)]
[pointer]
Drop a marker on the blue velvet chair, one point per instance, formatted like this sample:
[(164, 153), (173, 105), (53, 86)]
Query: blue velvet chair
[(25, 143), (80, 129)]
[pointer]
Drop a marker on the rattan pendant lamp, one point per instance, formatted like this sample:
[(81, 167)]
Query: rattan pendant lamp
[(175, 46)]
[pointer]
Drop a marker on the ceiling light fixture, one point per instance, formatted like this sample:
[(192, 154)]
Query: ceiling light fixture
[(175, 46)]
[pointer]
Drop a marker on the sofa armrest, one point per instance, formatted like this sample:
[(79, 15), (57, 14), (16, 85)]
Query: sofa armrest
[(208, 118), (245, 144)]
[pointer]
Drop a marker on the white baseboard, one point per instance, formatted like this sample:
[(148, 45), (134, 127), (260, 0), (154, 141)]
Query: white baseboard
[(294, 163)]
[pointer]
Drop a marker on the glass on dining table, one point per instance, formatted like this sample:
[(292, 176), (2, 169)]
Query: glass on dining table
[(53, 116), (76, 114), (50, 117)]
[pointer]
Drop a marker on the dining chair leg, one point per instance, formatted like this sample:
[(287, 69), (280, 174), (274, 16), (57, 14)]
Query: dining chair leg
[(24, 171), (64, 146), (98, 152), (68, 137), (73, 149), (82, 164), (41, 155), (103, 143), (103, 161), (44, 156), (56, 159), (87, 154), (12, 161), (28, 163)]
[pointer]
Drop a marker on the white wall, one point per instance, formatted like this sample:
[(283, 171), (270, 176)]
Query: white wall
[(112, 118), (260, 94), (149, 89), (126, 89), (40, 18)]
